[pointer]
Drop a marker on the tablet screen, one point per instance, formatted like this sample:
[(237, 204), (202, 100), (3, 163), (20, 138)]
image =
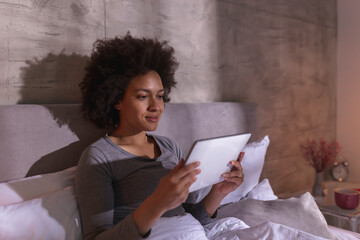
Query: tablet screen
[(214, 155)]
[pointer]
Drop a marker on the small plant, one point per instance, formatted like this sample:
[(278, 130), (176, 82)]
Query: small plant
[(320, 154)]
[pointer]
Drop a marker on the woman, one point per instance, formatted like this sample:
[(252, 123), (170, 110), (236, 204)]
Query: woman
[(128, 179)]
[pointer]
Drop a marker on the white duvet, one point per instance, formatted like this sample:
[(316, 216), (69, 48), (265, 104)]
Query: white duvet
[(258, 217), (186, 227)]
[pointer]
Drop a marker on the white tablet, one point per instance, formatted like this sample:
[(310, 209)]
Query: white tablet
[(214, 155)]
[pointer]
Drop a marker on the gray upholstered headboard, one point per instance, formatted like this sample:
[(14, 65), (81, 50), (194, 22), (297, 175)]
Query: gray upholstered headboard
[(36, 139)]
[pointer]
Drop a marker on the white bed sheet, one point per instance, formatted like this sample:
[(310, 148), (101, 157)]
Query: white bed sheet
[(342, 234), (232, 228), (186, 227)]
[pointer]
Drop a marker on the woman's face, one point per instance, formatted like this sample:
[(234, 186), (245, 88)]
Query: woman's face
[(142, 105)]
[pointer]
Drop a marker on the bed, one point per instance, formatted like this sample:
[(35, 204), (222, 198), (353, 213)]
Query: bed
[(41, 144)]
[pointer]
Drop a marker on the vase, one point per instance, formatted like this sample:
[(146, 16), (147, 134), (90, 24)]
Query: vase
[(318, 190)]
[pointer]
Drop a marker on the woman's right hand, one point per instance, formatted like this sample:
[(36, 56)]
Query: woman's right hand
[(173, 188)]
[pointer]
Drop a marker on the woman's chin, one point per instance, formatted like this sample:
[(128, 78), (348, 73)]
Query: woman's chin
[(151, 128)]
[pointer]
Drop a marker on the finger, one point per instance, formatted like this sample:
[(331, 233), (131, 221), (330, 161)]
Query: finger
[(241, 156), (236, 180), (179, 165), (187, 169), (177, 168), (189, 177), (233, 174), (190, 182), (236, 166), (185, 183)]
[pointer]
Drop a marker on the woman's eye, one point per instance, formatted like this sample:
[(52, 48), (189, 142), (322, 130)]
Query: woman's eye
[(161, 97), (142, 97)]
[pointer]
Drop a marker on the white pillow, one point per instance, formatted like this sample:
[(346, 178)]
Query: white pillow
[(53, 216), (263, 191), (32, 187), (252, 163)]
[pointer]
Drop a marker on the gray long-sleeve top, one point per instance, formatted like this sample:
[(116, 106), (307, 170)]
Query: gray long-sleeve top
[(111, 183)]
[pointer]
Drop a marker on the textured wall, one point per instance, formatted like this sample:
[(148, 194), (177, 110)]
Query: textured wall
[(348, 84), (281, 55), (277, 53), (43, 48)]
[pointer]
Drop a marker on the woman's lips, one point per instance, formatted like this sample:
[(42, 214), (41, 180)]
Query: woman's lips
[(152, 119)]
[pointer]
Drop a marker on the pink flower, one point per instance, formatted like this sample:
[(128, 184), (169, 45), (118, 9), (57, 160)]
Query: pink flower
[(319, 154)]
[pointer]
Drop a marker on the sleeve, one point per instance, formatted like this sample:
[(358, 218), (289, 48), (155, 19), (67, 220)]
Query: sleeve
[(170, 145), (197, 210), (96, 200), (178, 152)]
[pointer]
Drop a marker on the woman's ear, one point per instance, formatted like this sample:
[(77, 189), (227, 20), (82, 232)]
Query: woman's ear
[(117, 106)]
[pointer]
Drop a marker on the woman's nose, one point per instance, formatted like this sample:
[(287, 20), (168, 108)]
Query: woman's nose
[(154, 104)]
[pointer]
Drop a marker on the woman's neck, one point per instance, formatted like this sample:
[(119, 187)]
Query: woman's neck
[(137, 144), (126, 138)]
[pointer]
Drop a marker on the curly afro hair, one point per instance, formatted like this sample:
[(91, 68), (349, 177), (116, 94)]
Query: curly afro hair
[(112, 65)]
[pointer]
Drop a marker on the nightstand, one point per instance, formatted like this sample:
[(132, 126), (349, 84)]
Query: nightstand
[(334, 215)]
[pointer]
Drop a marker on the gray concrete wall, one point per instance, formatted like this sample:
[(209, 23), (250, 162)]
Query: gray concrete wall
[(348, 84), (277, 53), (282, 55)]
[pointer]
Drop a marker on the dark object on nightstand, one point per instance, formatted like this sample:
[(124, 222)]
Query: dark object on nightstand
[(340, 171), (347, 198), (334, 215)]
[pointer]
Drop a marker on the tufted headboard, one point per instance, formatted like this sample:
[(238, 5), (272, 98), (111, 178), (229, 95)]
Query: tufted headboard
[(36, 139)]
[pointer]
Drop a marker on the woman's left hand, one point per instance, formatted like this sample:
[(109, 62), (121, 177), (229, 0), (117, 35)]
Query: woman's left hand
[(232, 179)]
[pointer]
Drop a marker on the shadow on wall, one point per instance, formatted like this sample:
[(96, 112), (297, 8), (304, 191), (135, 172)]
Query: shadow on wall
[(68, 119), (54, 80)]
